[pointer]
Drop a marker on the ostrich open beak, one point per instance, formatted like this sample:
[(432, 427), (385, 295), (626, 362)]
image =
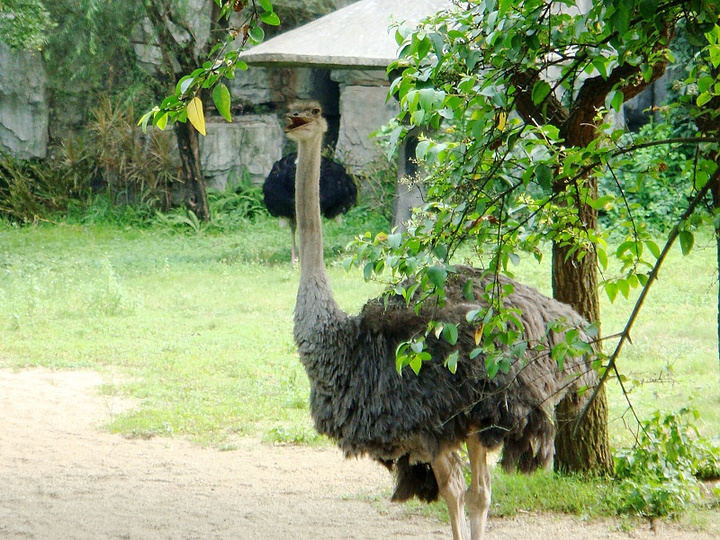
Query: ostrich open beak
[(294, 122)]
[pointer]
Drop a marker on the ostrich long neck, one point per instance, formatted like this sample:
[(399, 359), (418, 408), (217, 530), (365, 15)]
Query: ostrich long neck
[(307, 207), (316, 308)]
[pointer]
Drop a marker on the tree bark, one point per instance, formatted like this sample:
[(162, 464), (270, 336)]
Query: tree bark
[(187, 139), (583, 447)]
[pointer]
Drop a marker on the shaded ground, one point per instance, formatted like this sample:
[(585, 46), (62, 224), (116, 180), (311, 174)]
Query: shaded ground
[(62, 478)]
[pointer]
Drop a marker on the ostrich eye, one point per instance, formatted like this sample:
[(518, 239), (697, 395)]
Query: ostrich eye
[(316, 111)]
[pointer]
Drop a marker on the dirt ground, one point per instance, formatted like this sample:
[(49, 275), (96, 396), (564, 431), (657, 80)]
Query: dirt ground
[(62, 478)]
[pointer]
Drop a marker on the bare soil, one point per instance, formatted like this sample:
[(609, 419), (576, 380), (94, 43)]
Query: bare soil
[(61, 477)]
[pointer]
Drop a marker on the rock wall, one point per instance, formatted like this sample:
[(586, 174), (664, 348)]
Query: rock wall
[(23, 107), (364, 108), (249, 145)]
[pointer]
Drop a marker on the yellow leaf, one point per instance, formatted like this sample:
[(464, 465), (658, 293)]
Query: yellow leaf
[(479, 334), (501, 120), (196, 115)]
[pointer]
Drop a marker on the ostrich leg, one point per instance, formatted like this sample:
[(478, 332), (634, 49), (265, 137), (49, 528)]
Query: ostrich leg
[(451, 484), (478, 496)]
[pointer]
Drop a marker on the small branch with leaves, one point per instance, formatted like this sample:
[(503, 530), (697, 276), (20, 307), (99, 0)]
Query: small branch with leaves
[(185, 103)]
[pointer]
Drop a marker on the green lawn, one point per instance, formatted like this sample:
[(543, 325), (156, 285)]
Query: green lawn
[(200, 325), (197, 327)]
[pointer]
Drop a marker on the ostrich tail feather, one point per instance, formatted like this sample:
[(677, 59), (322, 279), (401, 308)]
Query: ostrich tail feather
[(416, 480)]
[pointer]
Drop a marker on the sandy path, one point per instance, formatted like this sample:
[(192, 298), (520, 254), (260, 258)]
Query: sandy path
[(61, 478)]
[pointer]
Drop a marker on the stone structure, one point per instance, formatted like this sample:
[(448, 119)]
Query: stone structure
[(364, 108), (23, 107), (249, 145)]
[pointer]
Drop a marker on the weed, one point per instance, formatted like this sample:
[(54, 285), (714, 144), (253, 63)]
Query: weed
[(659, 475), (292, 435), (110, 298)]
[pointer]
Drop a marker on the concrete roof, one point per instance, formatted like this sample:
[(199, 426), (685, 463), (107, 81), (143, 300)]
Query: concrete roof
[(356, 36)]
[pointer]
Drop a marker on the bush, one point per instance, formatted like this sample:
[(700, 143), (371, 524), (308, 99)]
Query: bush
[(659, 475), (33, 190)]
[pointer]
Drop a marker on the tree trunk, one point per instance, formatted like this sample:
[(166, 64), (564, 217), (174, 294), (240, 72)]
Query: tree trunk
[(188, 146), (583, 448)]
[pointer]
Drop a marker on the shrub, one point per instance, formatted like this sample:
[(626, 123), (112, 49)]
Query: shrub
[(32, 190), (659, 475)]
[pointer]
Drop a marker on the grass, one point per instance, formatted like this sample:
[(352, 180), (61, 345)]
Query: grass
[(197, 328), (201, 331)]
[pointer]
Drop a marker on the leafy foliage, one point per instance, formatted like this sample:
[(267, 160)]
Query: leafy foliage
[(514, 101), (232, 209), (112, 157), (103, 62), (645, 189), (659, 475), (32, 190), (134, 168), (24, 24)]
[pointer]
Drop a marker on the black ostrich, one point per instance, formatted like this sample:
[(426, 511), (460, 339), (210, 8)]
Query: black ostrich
[(338, 192), (416, 423)]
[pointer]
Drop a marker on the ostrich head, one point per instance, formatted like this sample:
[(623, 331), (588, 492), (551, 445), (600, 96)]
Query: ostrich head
[(305, 121)]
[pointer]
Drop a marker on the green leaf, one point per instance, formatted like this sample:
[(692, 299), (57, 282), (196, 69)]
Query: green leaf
[(715, 55), (143, 122), (422, 149), (450, 333), (452, 360), (614, 100), (437, 275), (653, 247), (703, 99), (491, 367), (368, 271), (162, 122), (540, 91), (270, 18), (266, 5), (256, 33), (624, 287), (544, 176), (620, 20), (602, 257), (416, 363), (687, 241), (222, 100), (648, 8), (184, 84), (612, 290), (467, 290)]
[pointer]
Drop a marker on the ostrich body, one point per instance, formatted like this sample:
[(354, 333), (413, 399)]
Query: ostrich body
[(415, 424), (338, 192)]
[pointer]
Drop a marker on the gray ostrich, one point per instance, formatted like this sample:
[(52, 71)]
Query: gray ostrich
[(416, 424)]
